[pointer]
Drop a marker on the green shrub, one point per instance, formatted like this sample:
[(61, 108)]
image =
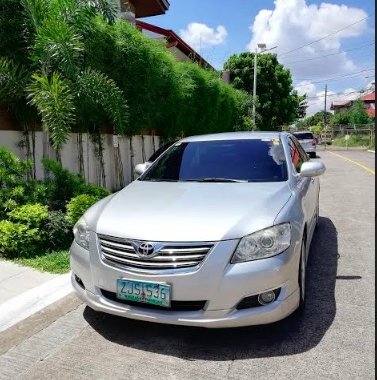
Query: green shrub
[(56, 230), (78, 205), (96, 191), (18, 239), (64, 185), (31, 215), (12, 181)]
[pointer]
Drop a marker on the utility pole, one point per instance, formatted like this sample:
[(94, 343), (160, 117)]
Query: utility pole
[(325, 115), (255, 85), (263, 48)]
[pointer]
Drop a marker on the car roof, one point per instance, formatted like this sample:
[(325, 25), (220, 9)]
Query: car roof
[(299, 132), (234, 136)]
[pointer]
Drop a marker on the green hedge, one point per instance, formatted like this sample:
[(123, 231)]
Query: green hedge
[(174, 98)]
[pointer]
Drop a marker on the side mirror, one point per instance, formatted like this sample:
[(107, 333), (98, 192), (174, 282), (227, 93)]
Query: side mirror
[(312, 169), (141, 168)]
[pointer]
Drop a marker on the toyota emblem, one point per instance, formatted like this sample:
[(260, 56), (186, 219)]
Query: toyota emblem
[(146, 250)]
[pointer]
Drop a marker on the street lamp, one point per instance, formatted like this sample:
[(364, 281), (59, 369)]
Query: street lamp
[(263, 48)]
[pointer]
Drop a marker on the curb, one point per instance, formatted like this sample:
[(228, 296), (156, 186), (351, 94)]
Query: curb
[(30, 302), (372, 151)]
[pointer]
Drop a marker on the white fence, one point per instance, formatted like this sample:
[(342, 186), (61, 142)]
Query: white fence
[(118, 162)]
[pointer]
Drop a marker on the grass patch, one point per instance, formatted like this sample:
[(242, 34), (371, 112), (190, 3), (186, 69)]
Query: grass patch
[(52, 262), (353, 142)]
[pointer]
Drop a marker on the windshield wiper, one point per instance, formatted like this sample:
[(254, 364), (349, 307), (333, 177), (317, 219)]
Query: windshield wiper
[(159, 180), (230, 180)]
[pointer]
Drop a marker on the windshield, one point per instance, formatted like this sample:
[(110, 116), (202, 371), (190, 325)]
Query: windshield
[(221, 161), (304, 136)]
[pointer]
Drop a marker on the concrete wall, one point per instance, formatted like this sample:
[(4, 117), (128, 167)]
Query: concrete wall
[(11, 140)]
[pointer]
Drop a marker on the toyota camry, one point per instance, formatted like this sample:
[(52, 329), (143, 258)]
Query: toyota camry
[(216, 233)]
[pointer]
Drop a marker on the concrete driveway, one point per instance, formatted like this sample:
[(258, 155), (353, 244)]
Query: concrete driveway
[(332, 339)]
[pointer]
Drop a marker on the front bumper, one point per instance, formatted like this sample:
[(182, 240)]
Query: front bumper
[(221, 284)]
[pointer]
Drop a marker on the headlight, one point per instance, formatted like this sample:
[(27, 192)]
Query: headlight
[(81, 233), (263, 244)]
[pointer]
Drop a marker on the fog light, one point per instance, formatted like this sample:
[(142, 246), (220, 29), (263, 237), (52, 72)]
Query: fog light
[(79, 281), (266, 298)]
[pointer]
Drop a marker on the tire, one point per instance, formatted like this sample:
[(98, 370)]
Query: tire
[(313, 155), (302, 276)]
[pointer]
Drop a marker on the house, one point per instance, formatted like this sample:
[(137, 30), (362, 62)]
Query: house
[(339, 106), (179, 48), (369, 100), (133, 9), (370, 103)]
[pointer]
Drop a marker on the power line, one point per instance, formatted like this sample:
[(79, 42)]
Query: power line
[(332, 95), (328, 35), (329, 55), (333, 78)]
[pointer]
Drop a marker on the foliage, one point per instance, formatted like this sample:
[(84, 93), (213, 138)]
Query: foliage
[(12, 174), (18, 239), (355, 115), (341, 118), (358, 114), (354, 141), (64, 185), (31, 215), (52, 262), (30, 227), (277, 103), (316, 119), (78, 206), (56, 231), (54, 100), (316, 129), (82, 68)]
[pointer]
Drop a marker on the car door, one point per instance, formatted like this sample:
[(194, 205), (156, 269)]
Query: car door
[(307, 188)]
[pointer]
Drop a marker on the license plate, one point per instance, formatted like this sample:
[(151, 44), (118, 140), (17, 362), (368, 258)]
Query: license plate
[(144, 292)]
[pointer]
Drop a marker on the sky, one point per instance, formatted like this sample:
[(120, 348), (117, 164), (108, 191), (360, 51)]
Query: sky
[(321, 43)]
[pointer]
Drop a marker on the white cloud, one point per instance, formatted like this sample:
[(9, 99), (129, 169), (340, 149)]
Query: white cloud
[(294, 23), (316, 99), (201, 35)]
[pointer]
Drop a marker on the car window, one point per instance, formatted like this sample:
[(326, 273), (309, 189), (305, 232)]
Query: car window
[(298, 155), (304, 136), (159, 151), (250, 160)]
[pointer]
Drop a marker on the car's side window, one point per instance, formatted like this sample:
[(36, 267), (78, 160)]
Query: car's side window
[(298, 155)]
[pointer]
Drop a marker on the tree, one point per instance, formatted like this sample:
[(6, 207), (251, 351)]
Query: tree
[(358, 113), (277, 103), (48, 70), (316, 119)]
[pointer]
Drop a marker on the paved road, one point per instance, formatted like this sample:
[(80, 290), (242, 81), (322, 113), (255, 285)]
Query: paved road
[(333, 339)]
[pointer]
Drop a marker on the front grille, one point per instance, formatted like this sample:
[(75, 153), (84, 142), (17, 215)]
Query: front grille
[(171, 256), (175, 305)]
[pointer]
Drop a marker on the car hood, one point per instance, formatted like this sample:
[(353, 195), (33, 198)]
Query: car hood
[(188, 212)]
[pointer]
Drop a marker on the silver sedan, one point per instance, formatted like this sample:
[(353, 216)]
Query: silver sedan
[(216, 233)]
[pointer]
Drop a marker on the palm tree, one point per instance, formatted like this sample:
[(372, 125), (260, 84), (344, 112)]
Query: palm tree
[(52, 73)]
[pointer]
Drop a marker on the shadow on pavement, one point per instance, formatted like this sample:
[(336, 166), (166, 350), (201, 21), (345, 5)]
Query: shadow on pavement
[(298, 333)]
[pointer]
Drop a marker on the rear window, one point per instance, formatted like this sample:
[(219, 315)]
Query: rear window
[(304, 136), (219, 161)]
